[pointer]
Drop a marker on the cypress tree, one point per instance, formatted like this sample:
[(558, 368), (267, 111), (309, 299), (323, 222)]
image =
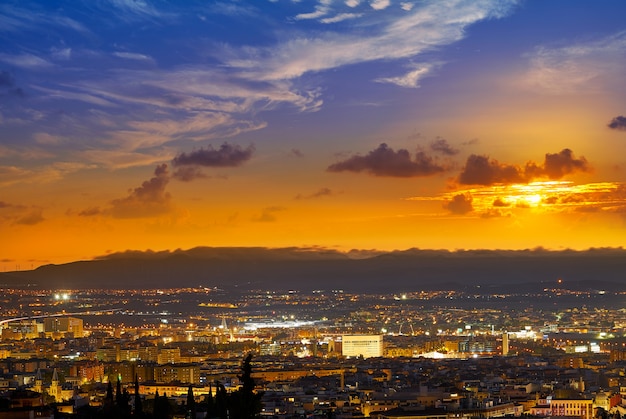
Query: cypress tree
[(191, 404), (138, 405), (210, 402), (109, 397), (245, 402), (221, 401), (162, 408)]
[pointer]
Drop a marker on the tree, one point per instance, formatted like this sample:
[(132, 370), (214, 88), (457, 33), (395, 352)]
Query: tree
[(221, 401), (245, 402), (210, 404), (138, 405), (191, 404), (109, 397), (162, 408), (122, 398)]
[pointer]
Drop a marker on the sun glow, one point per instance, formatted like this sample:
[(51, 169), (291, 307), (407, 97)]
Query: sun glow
[(534, 199), (536, 193), (550, 196)]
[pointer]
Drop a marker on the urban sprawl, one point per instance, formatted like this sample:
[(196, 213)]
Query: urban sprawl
[(326, 353)]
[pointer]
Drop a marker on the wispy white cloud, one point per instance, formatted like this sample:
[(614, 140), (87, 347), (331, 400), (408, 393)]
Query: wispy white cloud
[(582, 66), (11, 175), (66, 94), (61, 53), (196, 89), (68, 23), (133, 56), (121, 159), (224, 93), (15, 18), (321, 9), (28, 61), (423, 29), (341, 17), (178, 104), (413, 77), (8, 21), (232, 9), (131, 9), (319, 12), (380, 4), (204, 126)]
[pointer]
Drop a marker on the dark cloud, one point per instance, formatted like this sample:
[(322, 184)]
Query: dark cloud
[(90, 212), (573, 199), (587, 209), (494, 213), (148, 200), (384, 161), (188, 173), (619, 123), (460, 204), (33, 217), (473, 141), (500, 203), (319, 194), (267, 215), (481, 170), (7, 85), (560, 164), (18, 214), (226, 156), (294, 152), (6, 79), (441, 145)]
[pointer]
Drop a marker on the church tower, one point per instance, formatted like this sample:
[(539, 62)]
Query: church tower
[(38, 387), (55, 386)]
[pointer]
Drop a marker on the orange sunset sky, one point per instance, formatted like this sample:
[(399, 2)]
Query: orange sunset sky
[(351, 124)]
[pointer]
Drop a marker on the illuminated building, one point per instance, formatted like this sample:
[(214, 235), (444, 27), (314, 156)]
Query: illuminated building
[(582, 408), (63, 325), (169, 356), (21, 329), (293, 374), (366, 346), (108, 353), (505, 344), (148, 353), (184, 373), (269, 348)]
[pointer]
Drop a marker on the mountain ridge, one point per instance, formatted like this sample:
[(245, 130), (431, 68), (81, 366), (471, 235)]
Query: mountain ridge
[(315, 268)]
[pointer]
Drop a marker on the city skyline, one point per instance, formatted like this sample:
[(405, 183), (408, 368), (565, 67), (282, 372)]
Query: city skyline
[(345, 125)]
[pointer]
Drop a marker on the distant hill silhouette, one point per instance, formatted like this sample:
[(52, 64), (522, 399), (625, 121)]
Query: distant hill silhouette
[(311, 268)]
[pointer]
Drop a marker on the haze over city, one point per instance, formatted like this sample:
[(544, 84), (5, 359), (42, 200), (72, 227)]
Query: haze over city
[(343, 125)]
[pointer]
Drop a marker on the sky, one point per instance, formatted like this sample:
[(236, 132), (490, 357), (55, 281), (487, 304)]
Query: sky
[(352, 124)]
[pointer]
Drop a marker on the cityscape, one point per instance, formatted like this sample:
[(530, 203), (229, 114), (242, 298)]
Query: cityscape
[(320, 209), (321, 353)]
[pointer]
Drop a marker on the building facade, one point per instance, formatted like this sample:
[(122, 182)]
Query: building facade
[(367, 346)]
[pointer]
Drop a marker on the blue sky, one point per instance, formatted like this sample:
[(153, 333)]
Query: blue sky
[(100, 99)]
